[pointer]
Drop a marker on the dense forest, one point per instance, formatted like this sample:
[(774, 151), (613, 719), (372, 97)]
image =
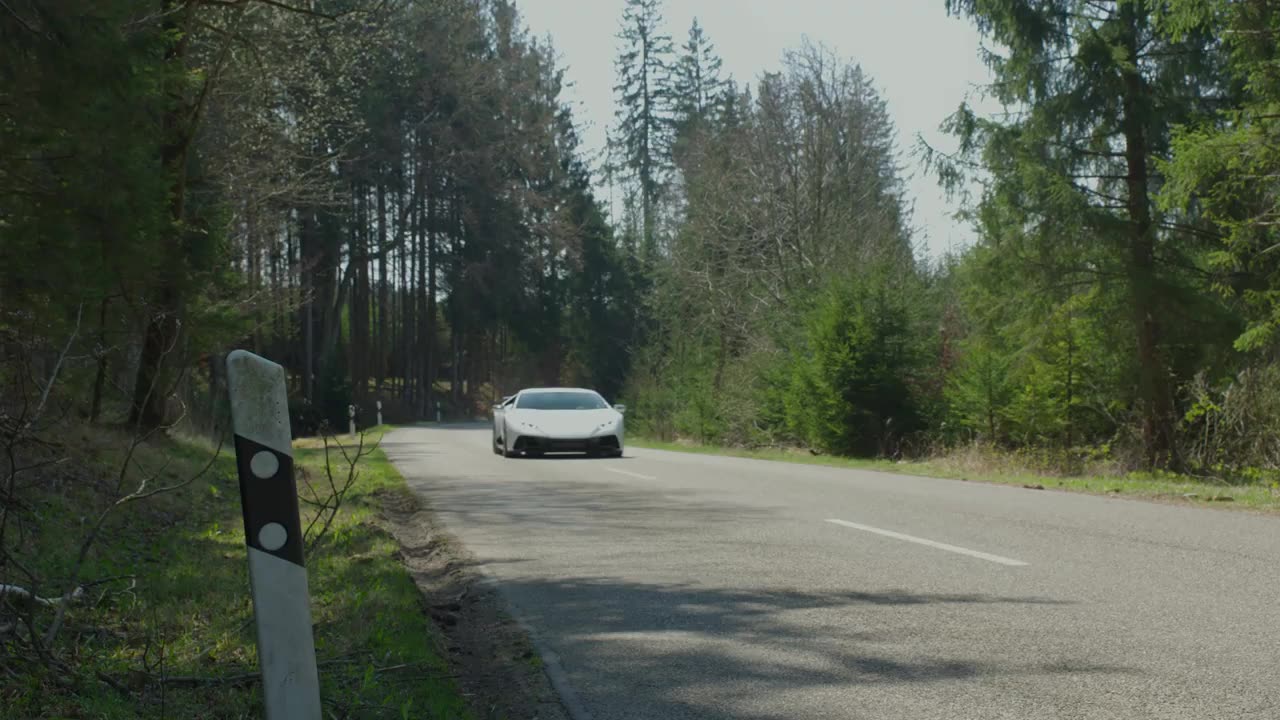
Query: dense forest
[(1116, 313), (386, 198), (390, 199)]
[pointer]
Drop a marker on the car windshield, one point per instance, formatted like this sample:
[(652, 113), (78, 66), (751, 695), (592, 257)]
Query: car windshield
[(561, 401)]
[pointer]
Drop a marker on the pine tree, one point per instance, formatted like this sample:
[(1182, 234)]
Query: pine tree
[(1224, 167), (697, 90), (1073, 176), (643, 110)]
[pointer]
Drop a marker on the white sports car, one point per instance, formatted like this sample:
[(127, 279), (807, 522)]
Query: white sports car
[(553, 420)]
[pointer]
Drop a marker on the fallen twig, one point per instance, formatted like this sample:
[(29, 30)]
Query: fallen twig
[(57, 368), (198, 681), (103, 581), (113, 683), (27, 597), (133, 584), (250, 678)]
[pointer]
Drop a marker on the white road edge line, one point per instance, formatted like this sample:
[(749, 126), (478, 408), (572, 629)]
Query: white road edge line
[(634, 475), (930, 543)]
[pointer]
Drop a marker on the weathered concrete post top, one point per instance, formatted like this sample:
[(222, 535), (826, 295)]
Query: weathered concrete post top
[(273, 533)]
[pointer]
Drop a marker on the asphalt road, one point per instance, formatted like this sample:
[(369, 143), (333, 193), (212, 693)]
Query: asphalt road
[(676, 586)]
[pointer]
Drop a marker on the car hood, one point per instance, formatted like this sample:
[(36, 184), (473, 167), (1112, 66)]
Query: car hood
[(563, 423)]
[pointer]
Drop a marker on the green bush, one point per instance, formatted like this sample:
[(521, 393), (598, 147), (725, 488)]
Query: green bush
[(850, 392), (1231, 429)]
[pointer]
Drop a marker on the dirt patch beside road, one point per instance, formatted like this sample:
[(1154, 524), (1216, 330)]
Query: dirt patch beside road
[(500, 671)]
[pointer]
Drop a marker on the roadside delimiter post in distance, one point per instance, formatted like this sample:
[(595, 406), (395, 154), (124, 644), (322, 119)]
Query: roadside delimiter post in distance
[(273, 534), (351, 415)]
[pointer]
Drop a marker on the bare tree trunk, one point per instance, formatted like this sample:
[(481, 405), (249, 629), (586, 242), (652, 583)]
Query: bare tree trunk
[(279, 348), (253, 268), (721, 358), (1159, 443), (422, 303), (456, 332), (293, 297), (1071, 368), (309, 260), (100, 377), (381, 343), (359, 307), (161, 337), (160, 340), (430, 354), (407, 253)]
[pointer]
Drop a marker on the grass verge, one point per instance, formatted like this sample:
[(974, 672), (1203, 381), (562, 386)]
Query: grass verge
[(173, 636), (1147, 486)]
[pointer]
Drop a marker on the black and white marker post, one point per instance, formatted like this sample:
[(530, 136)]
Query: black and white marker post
[(273, 532)]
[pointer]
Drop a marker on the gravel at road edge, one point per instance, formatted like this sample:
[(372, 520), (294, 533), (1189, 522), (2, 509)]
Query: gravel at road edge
[(499, 668)]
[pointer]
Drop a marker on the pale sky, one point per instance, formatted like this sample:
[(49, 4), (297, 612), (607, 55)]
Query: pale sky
[(923, 62)]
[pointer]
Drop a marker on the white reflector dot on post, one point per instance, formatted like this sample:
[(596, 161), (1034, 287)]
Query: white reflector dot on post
[(264, 464), (273, 536)]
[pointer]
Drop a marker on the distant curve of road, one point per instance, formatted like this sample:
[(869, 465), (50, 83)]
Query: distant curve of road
[(672, 586)]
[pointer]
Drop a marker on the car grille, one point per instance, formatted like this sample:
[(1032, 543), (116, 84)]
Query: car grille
[(528, 443)]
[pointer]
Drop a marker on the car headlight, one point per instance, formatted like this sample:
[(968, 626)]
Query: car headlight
[(530, 427), (607, 427)]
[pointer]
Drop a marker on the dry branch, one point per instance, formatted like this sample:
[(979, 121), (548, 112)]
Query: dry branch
[(22, 597), (139, 493), (327, 508)]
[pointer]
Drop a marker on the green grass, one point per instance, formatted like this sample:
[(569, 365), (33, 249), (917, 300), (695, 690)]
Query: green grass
[(189, 613), (1173, 488)]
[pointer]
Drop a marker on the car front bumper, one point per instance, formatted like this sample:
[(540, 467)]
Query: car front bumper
[(597, 444)]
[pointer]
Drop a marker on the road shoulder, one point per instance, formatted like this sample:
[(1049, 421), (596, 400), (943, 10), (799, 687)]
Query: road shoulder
[(499, 668), (1164, 489)]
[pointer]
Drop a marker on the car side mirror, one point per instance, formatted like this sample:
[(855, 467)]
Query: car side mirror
[(620, 408)]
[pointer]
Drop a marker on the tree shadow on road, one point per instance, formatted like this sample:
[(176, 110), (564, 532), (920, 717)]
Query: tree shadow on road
[(582, 505), (686, 650)]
